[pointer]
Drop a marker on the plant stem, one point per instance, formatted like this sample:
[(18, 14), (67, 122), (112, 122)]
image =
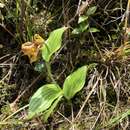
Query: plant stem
[(48, 67)]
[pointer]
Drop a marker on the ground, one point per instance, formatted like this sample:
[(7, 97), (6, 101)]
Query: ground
[(102, 38)]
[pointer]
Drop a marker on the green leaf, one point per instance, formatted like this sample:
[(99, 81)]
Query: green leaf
[(48, 112), (53, 43), (114, 121), (82, 19), (76, 31), (43, 99), (74, 82), (93, 30), (84, 26), (91, 10)]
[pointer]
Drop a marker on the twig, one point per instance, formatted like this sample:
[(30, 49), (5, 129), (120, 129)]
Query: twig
[(127, 15), (7, 30), (80, 10), (64, 117), (19, 96), (96, 45), (15, 112), (7, 55), (97, 118), (90, 93)]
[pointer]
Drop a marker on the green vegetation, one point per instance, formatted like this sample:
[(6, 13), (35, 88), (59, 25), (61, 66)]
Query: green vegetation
[(64, 65)]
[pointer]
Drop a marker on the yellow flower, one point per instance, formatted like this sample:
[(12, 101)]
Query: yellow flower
[(31, 49), (38, 40)]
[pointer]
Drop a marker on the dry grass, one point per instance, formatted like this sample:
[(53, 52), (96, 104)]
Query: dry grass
[(104, 101)]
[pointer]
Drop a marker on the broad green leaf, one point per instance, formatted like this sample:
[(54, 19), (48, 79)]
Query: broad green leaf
[(48, 112), (91, 10), (82, 19), (93, 30), (52, 44), (74, 82), (43, 99)]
